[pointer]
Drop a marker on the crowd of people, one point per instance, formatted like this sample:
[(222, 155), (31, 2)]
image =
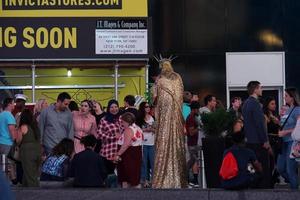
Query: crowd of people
[(87, 144), (117, 147), (266, 141), (260, 137)]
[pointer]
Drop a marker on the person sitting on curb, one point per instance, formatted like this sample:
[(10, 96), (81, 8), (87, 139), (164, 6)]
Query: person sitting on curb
[(87, 167), (248, 169), (56, 165)]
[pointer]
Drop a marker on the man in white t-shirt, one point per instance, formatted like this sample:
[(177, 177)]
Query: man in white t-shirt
[(210, 103)]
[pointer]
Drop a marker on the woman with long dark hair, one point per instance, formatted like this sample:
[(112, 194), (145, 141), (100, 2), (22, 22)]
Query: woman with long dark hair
[(99, 113), (30, 148), (273, 122), (146, 122), (273, 126), (55, 167), (287, 167)]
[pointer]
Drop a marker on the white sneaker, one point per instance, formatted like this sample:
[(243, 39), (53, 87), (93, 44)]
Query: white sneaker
[(281, 181), (191, 184)]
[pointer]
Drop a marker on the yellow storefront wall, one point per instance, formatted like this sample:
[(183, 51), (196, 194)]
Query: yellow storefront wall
[(133, 85), (129, 8)]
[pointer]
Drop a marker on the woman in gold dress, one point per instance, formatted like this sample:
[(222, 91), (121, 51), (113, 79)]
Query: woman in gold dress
[(169, 164)]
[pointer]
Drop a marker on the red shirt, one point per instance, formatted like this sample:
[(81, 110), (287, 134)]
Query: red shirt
[(192, 140)]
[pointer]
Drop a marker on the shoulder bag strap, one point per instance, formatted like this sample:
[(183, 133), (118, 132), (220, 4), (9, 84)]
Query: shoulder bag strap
[(285, 121)]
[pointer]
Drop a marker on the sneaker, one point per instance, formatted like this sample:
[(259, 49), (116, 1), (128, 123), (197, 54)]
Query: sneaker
[(191, 184), (146, 185), (282, 181)]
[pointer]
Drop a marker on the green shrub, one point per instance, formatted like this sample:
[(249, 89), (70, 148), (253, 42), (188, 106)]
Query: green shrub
[(216, 123)]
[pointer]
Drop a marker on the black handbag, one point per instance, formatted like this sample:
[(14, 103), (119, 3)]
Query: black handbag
[(14, 152)]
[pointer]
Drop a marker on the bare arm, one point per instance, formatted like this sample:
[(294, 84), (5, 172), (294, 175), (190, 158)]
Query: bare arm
[(257, 166), (128, 134), (21, 131), (193, 131), (285, 132), (12, 130)]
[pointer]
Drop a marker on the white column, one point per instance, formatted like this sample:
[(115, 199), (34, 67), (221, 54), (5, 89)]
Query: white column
[(147, 77), (116, 80)]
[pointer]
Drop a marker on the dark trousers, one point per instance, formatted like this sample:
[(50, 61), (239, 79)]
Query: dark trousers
[(264, 158), (243, 181), (19, 171), (109, 165)]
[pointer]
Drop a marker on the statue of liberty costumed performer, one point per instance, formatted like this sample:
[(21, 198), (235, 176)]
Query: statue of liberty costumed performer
[(170, 162)]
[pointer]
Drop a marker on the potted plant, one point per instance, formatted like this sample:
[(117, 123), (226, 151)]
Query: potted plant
[(215, 126)]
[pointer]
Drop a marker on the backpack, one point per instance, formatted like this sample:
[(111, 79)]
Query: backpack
[(229, 168)]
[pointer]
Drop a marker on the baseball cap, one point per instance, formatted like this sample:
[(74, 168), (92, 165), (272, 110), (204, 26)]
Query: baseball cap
[(21, 96)]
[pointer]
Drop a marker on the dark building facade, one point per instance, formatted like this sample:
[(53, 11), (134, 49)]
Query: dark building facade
[(200, 32)]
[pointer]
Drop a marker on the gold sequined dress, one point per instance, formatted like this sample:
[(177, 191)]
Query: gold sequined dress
[(170, 162)]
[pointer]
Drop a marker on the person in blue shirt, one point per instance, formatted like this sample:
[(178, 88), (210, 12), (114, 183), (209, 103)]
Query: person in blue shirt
[(256, 131), (56, 166), (7, 126), (286, 166), (249, 168), (186, 110), (56, 123), (8, 132)]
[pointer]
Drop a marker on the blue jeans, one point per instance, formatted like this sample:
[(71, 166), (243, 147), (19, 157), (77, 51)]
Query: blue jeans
[(5, 190), (288, 167), (148, 155), (111, 181)]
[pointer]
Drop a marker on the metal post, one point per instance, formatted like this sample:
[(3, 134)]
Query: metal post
[(116, 80), (147, 77), (33, 82), (203, 181)]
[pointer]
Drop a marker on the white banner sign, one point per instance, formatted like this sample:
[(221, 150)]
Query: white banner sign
[(121, 41)]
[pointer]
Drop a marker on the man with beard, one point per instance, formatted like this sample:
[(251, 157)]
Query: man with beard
[(56, 123)]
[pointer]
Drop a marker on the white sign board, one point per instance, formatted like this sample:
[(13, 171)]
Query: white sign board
[(121, 41), (265, 67)]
